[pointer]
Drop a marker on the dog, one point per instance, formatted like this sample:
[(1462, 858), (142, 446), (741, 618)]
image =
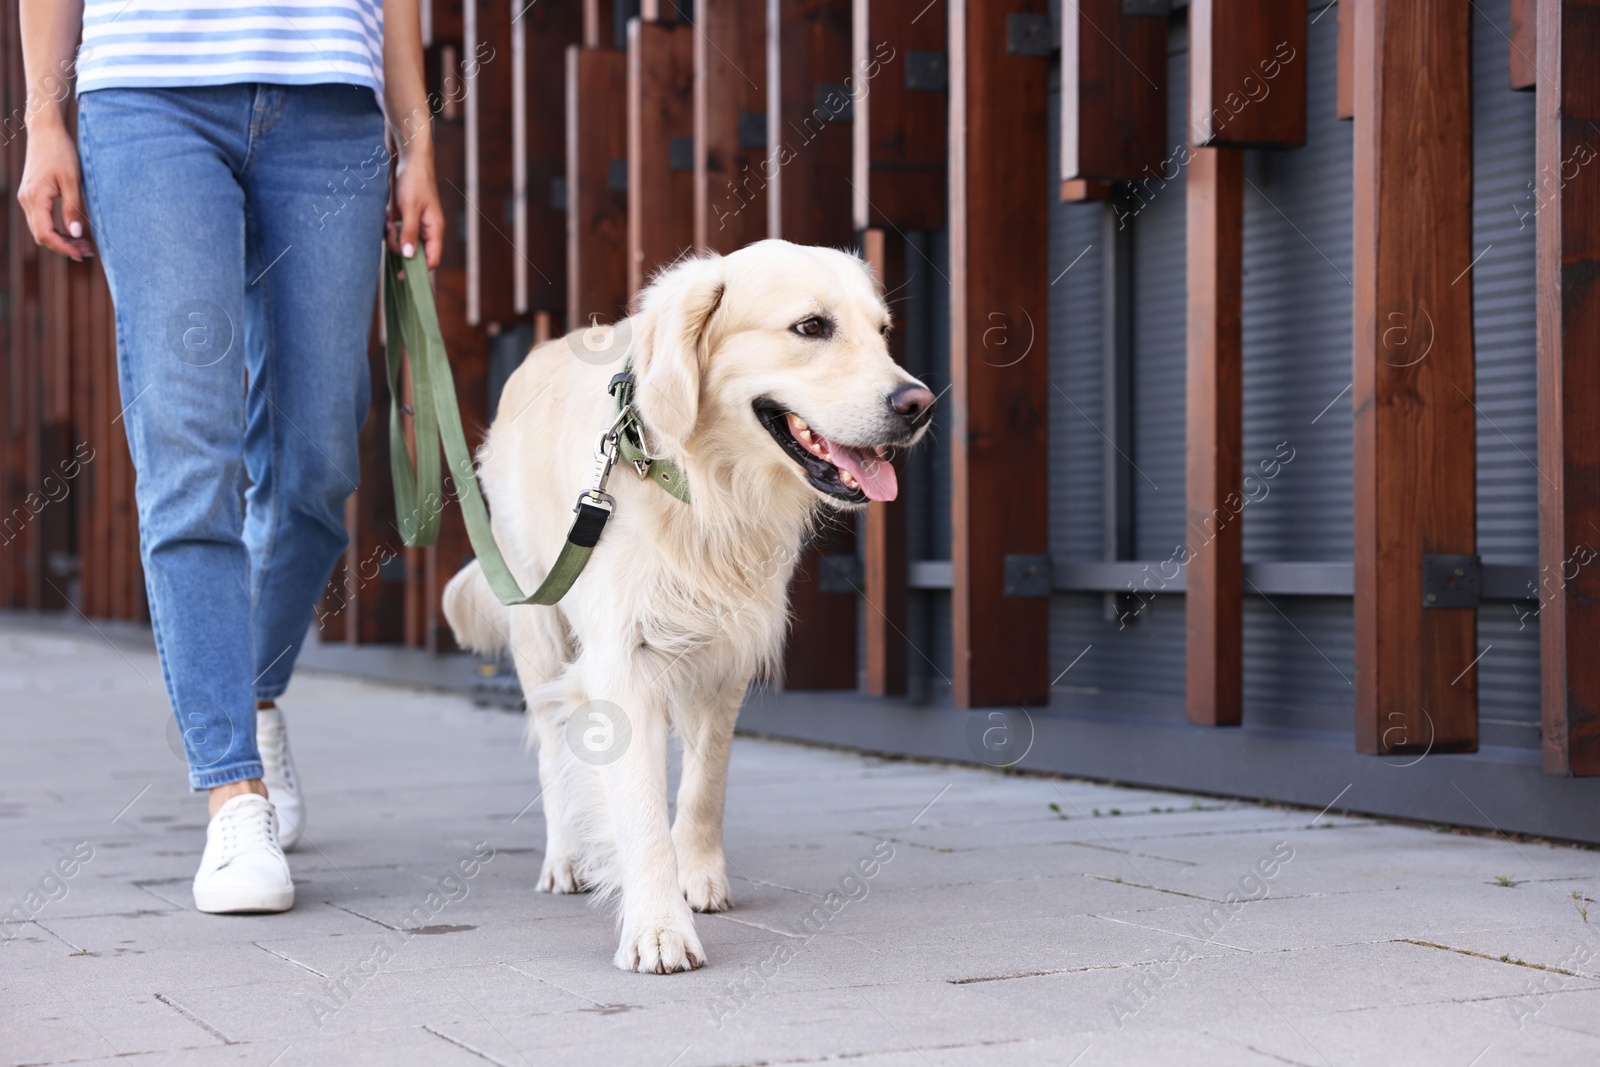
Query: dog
[(765, 377)]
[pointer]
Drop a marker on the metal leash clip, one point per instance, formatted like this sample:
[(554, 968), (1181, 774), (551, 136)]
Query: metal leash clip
[(605, 455)]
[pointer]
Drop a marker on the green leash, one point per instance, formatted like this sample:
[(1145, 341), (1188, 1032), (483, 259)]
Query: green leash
[(413, 326)]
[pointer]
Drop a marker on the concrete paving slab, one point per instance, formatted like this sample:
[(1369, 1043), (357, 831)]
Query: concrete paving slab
[(999, 932)]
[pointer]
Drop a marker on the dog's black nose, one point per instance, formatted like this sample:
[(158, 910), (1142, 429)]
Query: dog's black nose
[(912, 402)]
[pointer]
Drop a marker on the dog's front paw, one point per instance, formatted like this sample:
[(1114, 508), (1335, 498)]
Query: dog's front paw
[(559, 874), (705, 887), (660, 949)]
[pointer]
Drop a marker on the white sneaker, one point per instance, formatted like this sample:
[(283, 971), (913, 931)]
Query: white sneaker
[(277, 770), (243, 868)]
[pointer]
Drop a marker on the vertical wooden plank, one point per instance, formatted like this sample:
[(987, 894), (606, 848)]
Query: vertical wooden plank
[(444, 22), (660, 148), (544, 31), (1344, 93), (124, 576), (1113, 91), (29, 395), (1247, 73), (597, 198), (884, 565), (599, 20), (899, 146), (110, 434), (466, 342), (12, 582), (7, 356), (730, 100), (9, 131), (809, 111), (469, 366), (1214, 603), (1413, 372), (900, 128), (22, 404), (81, 349), (372, 604), (680, 12), (808, 97), (998, 251), (1078, 190), (1523, 35), (57, 315), (1568, 278), (416, 604), (491, 248)]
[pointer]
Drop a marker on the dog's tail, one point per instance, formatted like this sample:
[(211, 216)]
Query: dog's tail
[(480, 622)]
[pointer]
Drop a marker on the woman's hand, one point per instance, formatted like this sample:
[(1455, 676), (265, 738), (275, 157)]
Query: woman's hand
[(414, 209), (50, 173)]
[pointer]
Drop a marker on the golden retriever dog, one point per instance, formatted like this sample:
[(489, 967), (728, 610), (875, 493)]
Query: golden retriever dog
[(765, 376)]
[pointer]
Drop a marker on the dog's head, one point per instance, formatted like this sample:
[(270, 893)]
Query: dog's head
[(778, 354)]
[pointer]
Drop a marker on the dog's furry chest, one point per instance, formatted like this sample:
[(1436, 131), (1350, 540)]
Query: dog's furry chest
[(734, 602)]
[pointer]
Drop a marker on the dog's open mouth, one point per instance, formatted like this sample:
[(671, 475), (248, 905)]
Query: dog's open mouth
[(841, 471)]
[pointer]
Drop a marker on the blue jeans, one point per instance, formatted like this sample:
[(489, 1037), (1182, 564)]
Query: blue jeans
[(240, 227)]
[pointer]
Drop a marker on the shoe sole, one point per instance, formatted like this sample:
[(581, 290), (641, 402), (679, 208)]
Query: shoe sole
[(243, 901)]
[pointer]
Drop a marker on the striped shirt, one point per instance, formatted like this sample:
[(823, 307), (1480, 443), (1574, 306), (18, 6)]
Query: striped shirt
[(171, 43)]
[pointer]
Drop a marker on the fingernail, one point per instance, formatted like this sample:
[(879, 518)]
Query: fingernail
[(75, 228), (408, 249)]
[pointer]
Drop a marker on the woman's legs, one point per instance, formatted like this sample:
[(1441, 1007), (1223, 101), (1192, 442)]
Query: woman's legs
[(168, 213), (315, 191), (243, 279)]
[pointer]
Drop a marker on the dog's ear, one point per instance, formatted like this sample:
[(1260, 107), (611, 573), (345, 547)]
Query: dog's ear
[(678, 317)]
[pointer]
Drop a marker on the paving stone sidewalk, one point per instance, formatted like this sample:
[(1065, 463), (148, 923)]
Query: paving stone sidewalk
[(890, 914)]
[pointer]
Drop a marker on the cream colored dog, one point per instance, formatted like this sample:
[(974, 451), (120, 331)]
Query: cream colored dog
[(766, 377)]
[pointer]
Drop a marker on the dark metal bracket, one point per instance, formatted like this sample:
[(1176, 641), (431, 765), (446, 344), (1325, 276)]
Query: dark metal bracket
[(927, 72), (1451, 581), (1028, 34), (839, 574), (1028, 576)]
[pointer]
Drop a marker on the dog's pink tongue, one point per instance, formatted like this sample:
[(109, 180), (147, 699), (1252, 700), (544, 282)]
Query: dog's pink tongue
[(875, 476)]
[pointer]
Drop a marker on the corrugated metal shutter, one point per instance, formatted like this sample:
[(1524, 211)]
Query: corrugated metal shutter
[(923, 309), (1503, 322), (1299, 652), (1147, 655)]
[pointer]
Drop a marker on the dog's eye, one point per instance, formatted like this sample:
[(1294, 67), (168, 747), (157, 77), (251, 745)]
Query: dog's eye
[(886, 329), (815, 326)]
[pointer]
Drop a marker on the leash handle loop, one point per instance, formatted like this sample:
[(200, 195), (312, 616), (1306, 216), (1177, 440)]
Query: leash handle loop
[(413, 327)]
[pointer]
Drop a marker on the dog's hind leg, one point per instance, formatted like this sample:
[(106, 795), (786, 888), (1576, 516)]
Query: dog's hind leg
[(540, 648), (563, 843), (706, 730)]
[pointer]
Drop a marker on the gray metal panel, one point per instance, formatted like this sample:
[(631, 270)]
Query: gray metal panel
[(1147, 653), (922, 306), (1296, 332), (1296, 327), (1145, 656), (1503, 297), (1076, 261), (1503, 322), (1299, 652), (1160, 305)]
